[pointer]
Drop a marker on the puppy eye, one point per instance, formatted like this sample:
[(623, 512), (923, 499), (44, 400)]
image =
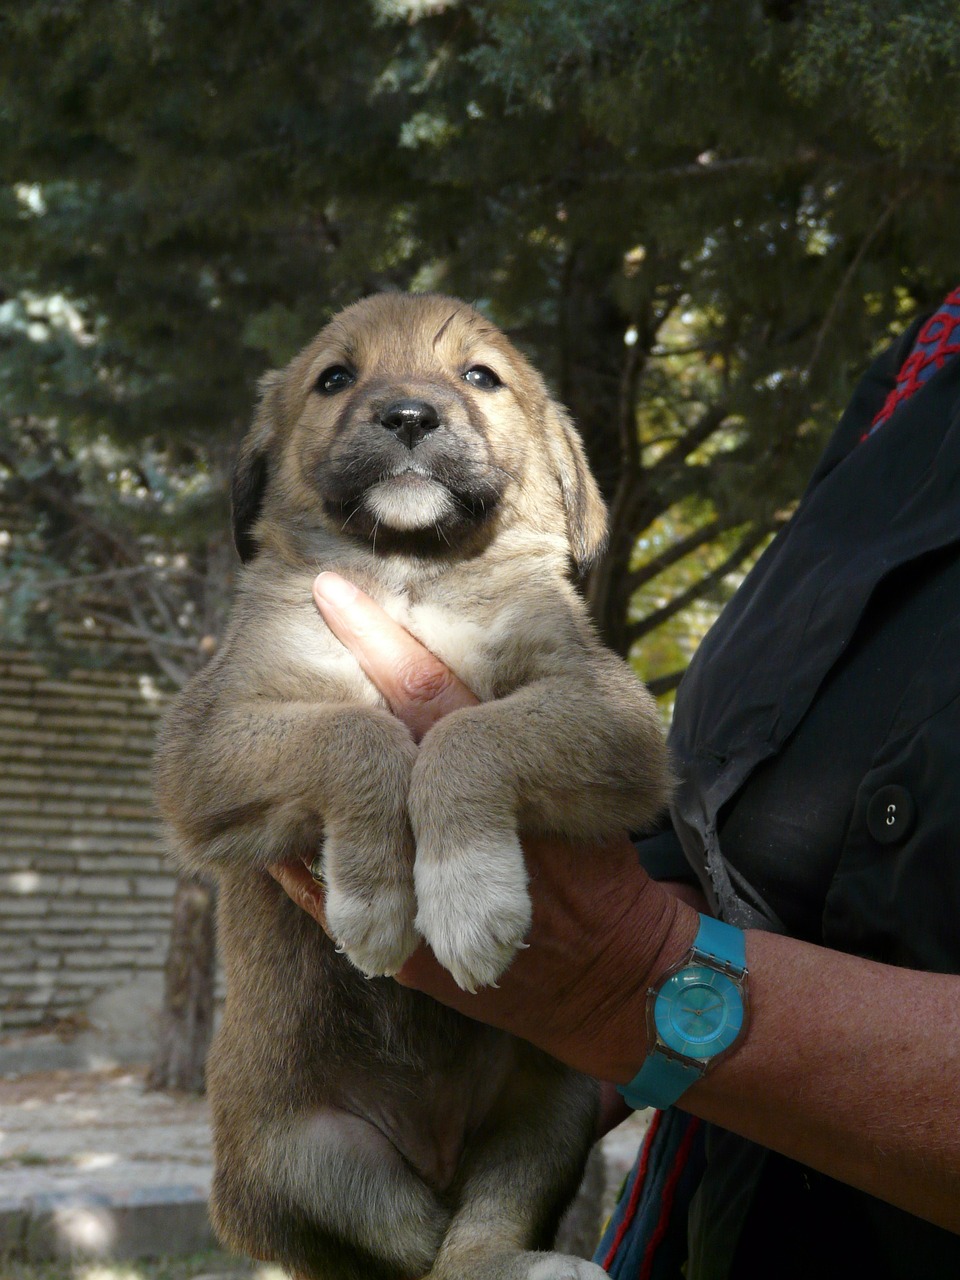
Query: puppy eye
[(480, 376), (337, 378)]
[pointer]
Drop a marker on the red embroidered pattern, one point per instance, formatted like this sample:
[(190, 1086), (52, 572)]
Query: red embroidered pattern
[(669, 1191), (937, 341)]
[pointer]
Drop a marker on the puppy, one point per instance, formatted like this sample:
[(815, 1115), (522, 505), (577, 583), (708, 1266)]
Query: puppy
[(362, 1131)]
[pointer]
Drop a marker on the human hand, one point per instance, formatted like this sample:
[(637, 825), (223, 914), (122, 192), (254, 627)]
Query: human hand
[(601, 928)]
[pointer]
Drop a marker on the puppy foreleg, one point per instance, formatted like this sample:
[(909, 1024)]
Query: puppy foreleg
[(577, 758), (272, 782), (518, 1175)]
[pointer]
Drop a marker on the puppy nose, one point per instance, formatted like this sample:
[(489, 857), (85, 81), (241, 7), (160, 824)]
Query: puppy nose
[(410, 420)]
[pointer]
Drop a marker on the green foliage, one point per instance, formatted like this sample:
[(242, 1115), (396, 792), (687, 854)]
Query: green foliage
[(700, 220), (905, 61)]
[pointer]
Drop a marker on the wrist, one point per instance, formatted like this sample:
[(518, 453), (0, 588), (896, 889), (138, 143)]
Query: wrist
[(696, 1013), (677, 937), (681, 926), (652, 936)]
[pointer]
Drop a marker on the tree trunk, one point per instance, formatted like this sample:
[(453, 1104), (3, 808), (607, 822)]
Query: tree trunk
[(608, 588), (186, 1022)]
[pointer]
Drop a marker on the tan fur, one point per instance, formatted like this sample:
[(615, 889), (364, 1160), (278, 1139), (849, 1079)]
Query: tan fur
[(361, 1130)]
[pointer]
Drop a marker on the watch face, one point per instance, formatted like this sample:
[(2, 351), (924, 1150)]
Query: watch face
[(698, 1012)]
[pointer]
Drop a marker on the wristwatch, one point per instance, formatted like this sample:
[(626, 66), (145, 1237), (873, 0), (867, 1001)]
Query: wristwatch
[(695, 1013)]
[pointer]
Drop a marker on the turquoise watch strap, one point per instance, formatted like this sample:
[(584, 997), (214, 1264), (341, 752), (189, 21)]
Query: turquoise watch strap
[(668, 1071), (721, 942), (660, 1082)]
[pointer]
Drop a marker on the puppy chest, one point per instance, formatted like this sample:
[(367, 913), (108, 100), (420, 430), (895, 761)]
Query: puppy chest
[(470, 646), (301, 659)]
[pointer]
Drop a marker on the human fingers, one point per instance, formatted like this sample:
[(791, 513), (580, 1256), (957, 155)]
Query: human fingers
[(418, 687), (297, 882), (601, 930)]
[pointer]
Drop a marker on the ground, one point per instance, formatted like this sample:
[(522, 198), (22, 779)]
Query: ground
[(198, 1266), (123, 1166)]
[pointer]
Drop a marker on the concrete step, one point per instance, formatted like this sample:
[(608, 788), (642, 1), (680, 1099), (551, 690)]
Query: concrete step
[(138, 1222), (94, 1165)]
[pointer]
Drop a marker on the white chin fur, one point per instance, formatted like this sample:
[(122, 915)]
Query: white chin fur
[(408, 502)]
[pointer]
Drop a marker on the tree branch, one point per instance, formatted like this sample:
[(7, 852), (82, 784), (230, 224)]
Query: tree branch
[(676, 552), (146, 633), (78, 514), (107, 575), (665, 684), (633, 369), (804, 157), (111, 545), (659, 616), (179, 675), (157, 599), (886, 214), (710, 420)]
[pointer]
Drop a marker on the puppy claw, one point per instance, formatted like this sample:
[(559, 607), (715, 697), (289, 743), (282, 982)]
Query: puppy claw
[(478, 969)]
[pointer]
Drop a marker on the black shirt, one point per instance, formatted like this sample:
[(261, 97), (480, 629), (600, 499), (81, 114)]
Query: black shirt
[(832, 677), (784, 830)]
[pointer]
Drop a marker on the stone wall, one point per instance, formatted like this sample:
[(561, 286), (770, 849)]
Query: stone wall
[(84, 888)]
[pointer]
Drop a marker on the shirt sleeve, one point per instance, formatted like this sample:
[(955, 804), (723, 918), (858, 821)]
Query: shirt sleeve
[(661, 856)]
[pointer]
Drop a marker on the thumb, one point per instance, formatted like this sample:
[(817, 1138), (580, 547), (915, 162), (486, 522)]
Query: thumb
[(418, 687)]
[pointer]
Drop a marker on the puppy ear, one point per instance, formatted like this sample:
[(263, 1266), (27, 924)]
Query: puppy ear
[(585, 509), (251, 470)]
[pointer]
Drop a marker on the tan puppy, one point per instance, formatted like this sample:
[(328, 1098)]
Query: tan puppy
[(363, 1131)]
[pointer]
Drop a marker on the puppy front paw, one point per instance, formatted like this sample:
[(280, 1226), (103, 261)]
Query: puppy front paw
[(473, 907), (378, 933), (370, 903)]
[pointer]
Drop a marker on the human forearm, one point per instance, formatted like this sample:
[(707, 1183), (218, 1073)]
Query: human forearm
[(850, 1067), (847, 1065)]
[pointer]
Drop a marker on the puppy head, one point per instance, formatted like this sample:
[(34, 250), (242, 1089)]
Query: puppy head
[(412, 424)]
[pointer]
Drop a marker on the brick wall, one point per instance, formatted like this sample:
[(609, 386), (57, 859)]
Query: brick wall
[(84, 888)]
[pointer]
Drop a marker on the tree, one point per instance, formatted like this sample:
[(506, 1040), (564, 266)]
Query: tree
[(752, 203), (701, 225)]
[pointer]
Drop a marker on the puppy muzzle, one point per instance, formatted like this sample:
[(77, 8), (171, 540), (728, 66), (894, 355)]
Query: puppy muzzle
[(408, 466)]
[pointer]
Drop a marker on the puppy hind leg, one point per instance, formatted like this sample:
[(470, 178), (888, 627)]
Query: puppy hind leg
[(332, 1199), (517, 1178)]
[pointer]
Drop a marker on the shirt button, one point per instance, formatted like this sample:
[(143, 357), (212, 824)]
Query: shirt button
[(891, 814)]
